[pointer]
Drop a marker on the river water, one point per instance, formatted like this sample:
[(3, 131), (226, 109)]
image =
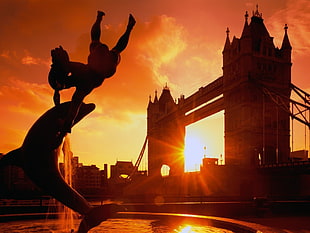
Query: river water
[(111, 226)]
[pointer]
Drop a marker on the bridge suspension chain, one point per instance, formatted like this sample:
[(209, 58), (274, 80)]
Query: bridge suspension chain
[(281, 100), (298, 108), (137, 164)]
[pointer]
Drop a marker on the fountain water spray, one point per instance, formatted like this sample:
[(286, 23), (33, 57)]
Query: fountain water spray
[(66, 215)]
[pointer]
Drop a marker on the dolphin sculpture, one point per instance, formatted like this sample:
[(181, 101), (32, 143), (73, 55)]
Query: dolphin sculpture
[(38, 157)]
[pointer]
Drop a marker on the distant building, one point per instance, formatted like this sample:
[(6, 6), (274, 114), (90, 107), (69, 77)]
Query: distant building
[(122, 169), (13, 181), (88, 178), (104, 175), (299, 155)]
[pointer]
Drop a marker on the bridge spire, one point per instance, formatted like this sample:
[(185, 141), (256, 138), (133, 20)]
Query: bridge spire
[(286, 47), (246, 29), (256, 13), (227, 42), (155, 98), (286, 42), (246, 16)]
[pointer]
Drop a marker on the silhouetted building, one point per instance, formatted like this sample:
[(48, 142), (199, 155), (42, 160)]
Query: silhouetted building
[(122, 169), (254, 93), (299, 155), (14, 182), (252, 68), (104, 176), (88, 179), (165, 137)]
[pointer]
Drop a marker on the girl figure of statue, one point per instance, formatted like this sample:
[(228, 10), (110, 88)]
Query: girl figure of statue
[(102, 64)]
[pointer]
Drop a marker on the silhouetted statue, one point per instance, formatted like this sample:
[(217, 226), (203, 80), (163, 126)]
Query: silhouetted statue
[(38, 157), (102, 64)]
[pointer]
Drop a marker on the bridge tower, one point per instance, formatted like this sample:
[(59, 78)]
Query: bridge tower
[(256, 129), (165, 132)]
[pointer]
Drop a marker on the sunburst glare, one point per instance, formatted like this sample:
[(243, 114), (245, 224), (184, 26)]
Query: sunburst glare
[(194, 151), (204, 138)]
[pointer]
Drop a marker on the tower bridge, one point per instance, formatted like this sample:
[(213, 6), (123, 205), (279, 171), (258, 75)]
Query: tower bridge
[(254, 93)]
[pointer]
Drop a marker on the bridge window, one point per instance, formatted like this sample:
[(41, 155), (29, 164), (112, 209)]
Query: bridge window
[(165, 170)]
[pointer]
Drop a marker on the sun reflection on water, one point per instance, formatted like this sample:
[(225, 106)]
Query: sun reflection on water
[(188, 228)]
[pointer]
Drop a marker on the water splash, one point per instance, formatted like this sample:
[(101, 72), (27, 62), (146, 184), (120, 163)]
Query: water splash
[(66, 215)]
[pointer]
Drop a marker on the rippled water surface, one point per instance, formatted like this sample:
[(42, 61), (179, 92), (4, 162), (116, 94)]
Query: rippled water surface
[(111, 226)]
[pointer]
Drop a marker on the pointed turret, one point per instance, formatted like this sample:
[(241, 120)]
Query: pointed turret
[(153, 106), (150, 99), (246, 39), (155, 98), (227, 42), (286, 47), (258, 30), (166, 102), (150, 104), (246, 30), (286, 42), (227, 48), (257, 14)]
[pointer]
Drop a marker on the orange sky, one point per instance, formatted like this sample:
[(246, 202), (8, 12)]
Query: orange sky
[(175, 42)]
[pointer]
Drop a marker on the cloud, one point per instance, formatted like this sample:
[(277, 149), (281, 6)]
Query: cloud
[(175, 57), (162, 43), (296, 15), (199, 64), (25, 94), (24, 98), (160, 51), (153, 46), (21, 103), (30, 60), (24, 66)]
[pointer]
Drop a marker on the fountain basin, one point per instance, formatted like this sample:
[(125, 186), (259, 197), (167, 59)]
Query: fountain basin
[(132, 222)]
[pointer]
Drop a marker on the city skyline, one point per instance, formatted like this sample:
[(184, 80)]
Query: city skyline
[(173, 43)]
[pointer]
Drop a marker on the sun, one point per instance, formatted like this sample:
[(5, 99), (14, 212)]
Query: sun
[(204, 138), (194, 152)]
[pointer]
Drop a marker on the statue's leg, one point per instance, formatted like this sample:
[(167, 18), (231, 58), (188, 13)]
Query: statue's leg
[(95, 30), (123, 40)]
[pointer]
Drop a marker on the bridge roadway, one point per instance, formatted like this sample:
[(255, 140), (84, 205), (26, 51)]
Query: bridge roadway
[(205, 102), (300, 167)]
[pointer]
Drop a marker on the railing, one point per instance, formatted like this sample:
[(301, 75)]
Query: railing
[(287, 164)]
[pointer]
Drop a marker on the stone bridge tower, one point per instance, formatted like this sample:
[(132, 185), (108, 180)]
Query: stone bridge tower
[(256, 129), (166, 134), (254, 93)]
